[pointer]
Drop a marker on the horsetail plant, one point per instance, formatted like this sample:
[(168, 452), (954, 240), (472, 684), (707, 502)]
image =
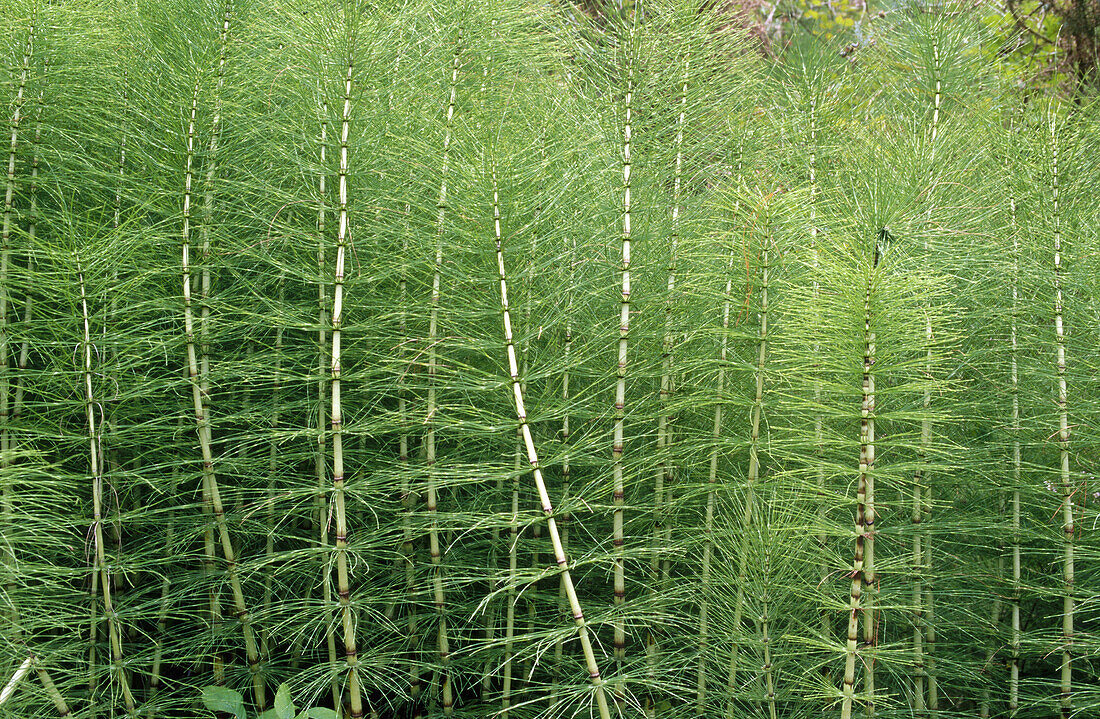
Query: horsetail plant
[(540, 484), (435, 548), (865, 513), (343, 586), (95, 464), (202, 420)]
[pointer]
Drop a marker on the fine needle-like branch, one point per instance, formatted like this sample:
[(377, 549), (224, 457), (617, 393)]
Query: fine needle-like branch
[(536, 469)]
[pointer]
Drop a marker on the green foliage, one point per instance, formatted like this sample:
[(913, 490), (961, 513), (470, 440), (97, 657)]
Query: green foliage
[(897, 206)]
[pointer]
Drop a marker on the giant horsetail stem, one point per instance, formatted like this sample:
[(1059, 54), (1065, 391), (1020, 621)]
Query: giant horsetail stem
[(343, 586), (536, 469)]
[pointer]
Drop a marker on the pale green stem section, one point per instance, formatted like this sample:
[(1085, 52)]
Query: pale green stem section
[(114, 632), (566, 478), (323, 381), (202, 421), (712, 499), (343, 586), (864, 508), (540, 484), (51, 691), (435, 549), (21, 672), (924, 611)]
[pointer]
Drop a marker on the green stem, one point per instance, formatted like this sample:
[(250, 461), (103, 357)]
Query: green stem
[(540, 484)]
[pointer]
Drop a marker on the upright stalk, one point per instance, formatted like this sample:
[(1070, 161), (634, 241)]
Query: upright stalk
[(619, 492), (865, 513), (1014, 419), (540, 484), (343, 586), (6, 499), (202, 421), (1065, 700), (749, 528), (91, 407), (442, 639), (324, 357), (712, 476)]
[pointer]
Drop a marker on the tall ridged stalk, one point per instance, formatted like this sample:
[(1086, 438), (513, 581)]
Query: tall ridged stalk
[(923, 608), (712, 475), (5, 261), (1014, 419), (272, 470), (749, 524), (566, 478), (438, 598), (1065, 700), (660, 567), (320, 458), (114, 632), (202, 421), (865, 513), (408, 496), (619, 490), (540, 484), (343, 586)]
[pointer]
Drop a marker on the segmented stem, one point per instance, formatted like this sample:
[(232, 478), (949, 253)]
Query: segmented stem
[(536, 469), (91, 407), (442, 639), (343, 586), (865, 517), (212, 495)]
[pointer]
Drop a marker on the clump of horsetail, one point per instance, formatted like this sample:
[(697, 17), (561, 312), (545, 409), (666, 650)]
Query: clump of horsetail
[(540, 484)]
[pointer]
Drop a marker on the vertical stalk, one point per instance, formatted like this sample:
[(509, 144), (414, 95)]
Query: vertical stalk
[(566, 477), (619, 493), (6, 499), (320, 462), (540, 484), (864, 496), (749, 527), (712, 476), (1065, 700), (114, 632), (272, 470), (429, 437), (1014, 419), (202, 421), (343, 587)]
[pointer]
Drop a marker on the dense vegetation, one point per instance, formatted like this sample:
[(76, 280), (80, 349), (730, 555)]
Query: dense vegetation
[(503, 359)]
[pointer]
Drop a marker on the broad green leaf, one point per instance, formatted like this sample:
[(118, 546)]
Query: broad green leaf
[(321, 713), (284, 707), (221, 699)]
